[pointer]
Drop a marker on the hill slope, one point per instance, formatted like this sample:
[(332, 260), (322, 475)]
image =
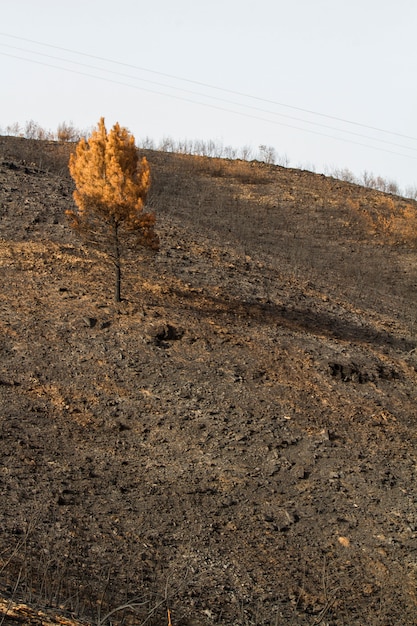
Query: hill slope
[(237, 440)]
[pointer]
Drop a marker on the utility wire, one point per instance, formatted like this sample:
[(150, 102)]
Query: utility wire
[(216, 107), (209, 86), (230, 102)]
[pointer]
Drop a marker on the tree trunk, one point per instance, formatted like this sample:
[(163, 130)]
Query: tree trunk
[(118, 273), (117, 266)]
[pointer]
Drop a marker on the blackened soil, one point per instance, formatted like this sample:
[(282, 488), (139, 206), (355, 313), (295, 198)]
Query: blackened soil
[(235, 441)]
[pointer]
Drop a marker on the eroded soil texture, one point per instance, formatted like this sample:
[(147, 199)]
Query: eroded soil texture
[(235, 441)]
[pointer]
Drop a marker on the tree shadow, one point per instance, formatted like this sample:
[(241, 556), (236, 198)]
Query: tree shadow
[(297, 319)]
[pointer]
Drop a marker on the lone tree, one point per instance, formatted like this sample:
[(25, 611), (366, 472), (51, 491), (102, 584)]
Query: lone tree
[(111, 189)]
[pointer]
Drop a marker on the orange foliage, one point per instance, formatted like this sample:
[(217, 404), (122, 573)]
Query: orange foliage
[(393, 218), (110, 180), (112, 184)]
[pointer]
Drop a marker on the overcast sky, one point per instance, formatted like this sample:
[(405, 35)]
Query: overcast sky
[(326, 82)]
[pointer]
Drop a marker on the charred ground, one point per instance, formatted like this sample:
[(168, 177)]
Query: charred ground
[(236, 441)]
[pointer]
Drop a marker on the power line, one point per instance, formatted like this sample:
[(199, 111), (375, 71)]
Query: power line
[(209, 86), (188, 91), (216, 107)]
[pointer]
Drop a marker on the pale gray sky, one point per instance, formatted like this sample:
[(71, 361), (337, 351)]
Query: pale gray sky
[(292, 74)]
